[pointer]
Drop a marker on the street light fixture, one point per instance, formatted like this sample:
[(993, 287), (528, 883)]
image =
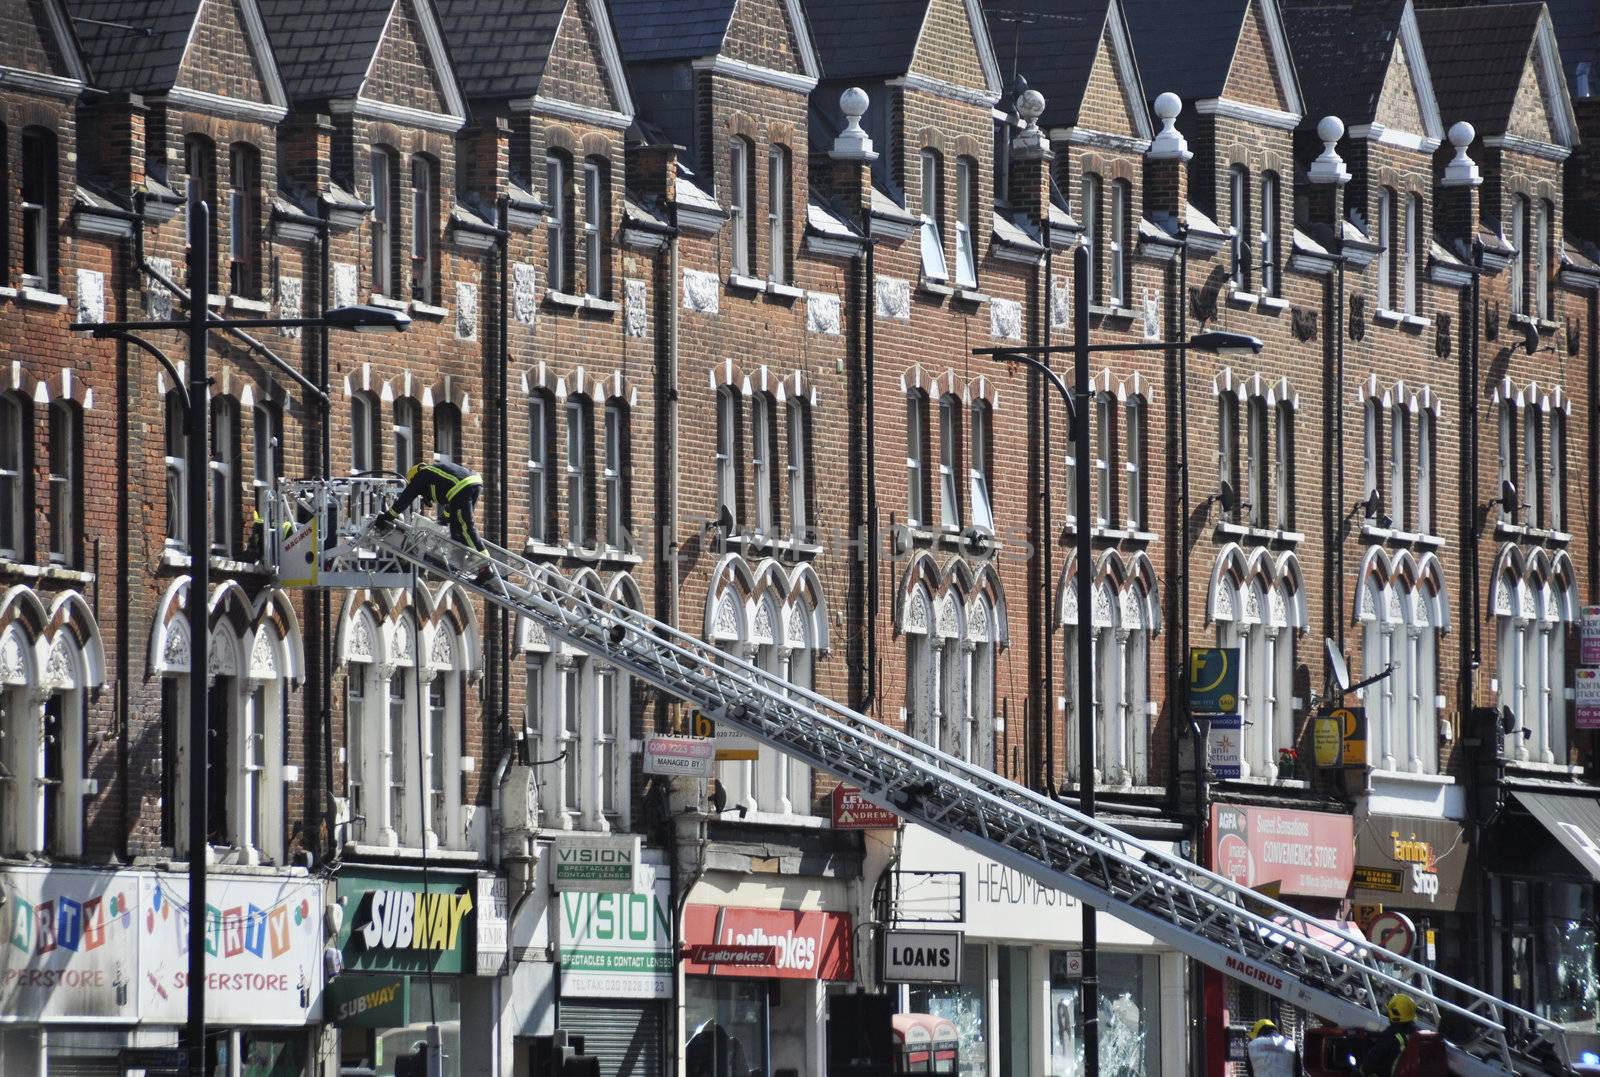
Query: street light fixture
[(199, 324), (1078, 404)]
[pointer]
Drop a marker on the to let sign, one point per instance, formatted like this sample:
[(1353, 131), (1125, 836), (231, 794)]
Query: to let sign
[(1586, 693), (679, 757), (1589, 646), (852, 811), (921, 957)]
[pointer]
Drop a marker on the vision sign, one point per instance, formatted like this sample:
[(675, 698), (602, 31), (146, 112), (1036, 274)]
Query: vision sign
[(608, 864), (617, 945)]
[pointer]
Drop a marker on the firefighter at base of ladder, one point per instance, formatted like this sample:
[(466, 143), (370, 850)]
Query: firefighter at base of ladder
[(454, 489), (1383, 1057), (1270, 1053)]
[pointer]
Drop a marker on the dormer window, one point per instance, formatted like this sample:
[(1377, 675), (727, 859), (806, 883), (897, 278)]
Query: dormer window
[(424, 221), (778, 215), (38, 202), (932, 209), (966, 247)]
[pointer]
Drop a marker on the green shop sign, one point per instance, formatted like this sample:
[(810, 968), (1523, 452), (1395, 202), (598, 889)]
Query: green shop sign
[(357, 1001), (392, 924)]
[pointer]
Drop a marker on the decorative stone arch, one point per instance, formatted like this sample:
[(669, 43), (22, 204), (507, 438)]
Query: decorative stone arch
[(727, 374), (921, 574), (1280, 392), (1225, 591), (72, 625), (1142, 582), (987, 588), (63, 385), (1432, 598), (276, 624), (950, 615), (1226, 384), (796, 385), (22, 623), (934, 385), (1376, 575), (1407, 578), (360, 637), (1292, 585), (358, 380), (1259, 592), (448, 389), (169, 630), (982, 388), (732, 584), (13, 379), (1507, 582), (808, 599), (1136, 387), (1564, 584), (453, 612)]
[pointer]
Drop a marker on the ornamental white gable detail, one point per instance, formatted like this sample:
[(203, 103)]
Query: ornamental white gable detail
[(525, 293), (466, 310), (263, 657), (701, 291), (13, 665), (634, 313), (442, 654), (892, 298), (91, 295), (1150, 314), (1005, 319), (822, 313), (359, 649), (157, 300), (1060, 308)]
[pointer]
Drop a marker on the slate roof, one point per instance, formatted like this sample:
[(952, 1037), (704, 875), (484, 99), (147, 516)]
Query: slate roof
[(1054, 52), (1577, 24), (1185, 46), (124, 61), (865, 39), (654, 30), (500, 47), (1476, 55), (1341, 51), (324, 47)]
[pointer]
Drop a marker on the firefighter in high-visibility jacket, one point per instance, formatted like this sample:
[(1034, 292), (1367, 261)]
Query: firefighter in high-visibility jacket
[(453, 488), (1383, 1056)]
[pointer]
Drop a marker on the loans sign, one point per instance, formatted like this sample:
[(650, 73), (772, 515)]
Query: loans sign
[(614, 945), (925, 957), (600, 862)]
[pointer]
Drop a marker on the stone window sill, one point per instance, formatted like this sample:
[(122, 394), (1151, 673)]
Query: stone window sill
[(1386, 316), (460, 856), (1242, 299), (971, 295), (540, 549), (1533, 766), (1252, 533), (45, 572), (1120, 314), (783, 291), (563, 299), (932, 286), (1415, 322), (388, 302), (41, 298), (250, 306), (428, 310), (1274, 303), (738, 282), (599, 305), (1411, 777)]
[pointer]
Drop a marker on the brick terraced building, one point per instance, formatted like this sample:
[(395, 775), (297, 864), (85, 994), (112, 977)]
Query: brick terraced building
[(696, 285)]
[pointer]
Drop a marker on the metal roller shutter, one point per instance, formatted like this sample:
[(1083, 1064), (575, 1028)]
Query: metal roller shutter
[(65, 1065), (626, 1036)]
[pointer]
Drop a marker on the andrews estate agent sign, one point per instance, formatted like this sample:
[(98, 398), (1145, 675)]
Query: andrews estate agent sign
[(608, 864), (617, 945)]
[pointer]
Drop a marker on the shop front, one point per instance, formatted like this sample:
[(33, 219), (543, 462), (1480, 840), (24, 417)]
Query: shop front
[(1017, 1005), (97, 961), (615, 968), (1306, 859), (1417, 867), (408, 947), (755, 987), (1543, 860)]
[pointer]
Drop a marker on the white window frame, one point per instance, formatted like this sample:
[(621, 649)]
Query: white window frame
[(407, 431), (365, 443), (1271, 282), (1556, 469), (41, 793), (930, 208), (1532, 494), (446, 432), (727, 457), (1239, 232), (799, 465), (398, 730), (979, 430), (16, 435), (594, 266), (1385, 248), (1228, 447), (1541, 259), (1283, 502), (557, 223), (244, 249), (38, 168), (1413, 253), (1135, 415), (1091, 230), (916, 459), (1521, 261), (1117, 290), (1399, 463), (1426, 447), (616, 483), (607, 736), (540, 418), (579, 436), (1372, 449), (761, 461), (358, 741), (224, 476), (739, 203), (572, 672), (778, 215), (1508, 456), (384, 226), (949, 462), (1258, 482), (424, 217), (966, 247), (1105, 407), (66, 478)]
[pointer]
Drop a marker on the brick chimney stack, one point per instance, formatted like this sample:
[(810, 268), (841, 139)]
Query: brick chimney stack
[(852, 156), (1031, 158), (1459, 207), (1166, 169)]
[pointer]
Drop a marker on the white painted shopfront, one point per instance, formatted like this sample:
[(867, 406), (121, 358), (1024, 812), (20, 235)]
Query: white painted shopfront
[(1018, 1008)]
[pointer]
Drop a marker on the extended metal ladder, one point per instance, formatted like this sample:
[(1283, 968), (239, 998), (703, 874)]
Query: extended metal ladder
[(1237, 931)]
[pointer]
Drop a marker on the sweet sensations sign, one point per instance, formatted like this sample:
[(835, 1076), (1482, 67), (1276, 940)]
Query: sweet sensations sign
[(1305, 852)]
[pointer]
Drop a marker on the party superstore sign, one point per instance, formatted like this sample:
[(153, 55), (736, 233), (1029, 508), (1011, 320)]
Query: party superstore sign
[(393, 924)]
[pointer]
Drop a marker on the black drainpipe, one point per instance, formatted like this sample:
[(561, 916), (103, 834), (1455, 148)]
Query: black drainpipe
[(324, 598), (870, 385), (1047, 530), (502, 461)]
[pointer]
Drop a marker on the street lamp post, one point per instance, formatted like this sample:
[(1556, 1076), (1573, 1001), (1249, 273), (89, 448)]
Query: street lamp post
[(198, 324), (1078, 404)]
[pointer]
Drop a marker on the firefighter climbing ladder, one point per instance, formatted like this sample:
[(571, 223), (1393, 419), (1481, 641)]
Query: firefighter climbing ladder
[(1230, 928)]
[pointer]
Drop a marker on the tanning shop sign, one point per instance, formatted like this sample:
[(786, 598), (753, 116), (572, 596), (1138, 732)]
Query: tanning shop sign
[(616, 945), (603, 863)]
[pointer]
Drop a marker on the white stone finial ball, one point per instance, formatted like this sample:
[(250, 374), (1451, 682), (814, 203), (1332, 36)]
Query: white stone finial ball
[(1168, 105), (1330, 128), (854, 102), (1030, 106), (1462, 134)]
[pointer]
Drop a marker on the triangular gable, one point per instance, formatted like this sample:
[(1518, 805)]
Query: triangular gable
[(1530, 109), (1113, 87), (771, 34), (1406, 101), (575, 72), (1543, 78), (1262, 61), (414, 50), (953, 46), (228, 51), (44, 50)]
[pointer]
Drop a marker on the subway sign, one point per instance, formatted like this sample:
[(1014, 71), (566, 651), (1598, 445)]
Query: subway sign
[(395, 924)]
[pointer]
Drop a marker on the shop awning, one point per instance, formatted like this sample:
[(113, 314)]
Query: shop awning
[(1573, 821)]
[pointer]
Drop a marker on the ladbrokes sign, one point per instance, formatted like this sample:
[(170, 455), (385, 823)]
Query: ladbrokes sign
[(801, 945)]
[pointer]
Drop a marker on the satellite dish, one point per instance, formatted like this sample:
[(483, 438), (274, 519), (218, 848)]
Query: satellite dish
[(1341, 672), (1228, 498)]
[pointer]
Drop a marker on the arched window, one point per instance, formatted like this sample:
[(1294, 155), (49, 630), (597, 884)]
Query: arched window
[(66, 483), (799, 444), (1372, 455), (39, 202), (424, 228), (931, 214), (541, 471), (740, 198), (1259, 488), (917, 459), (580, 472), (763, 462), (596, 220), (16, 475), (1228, 448), (384, 177), (1556, 483), (1239, 218), (1386, 242), (778, 214), (558, 226), (727, 455), (1532, 493), (1136, 416), (1543, 258), (618, 474), (446, 431), (244, 220), (1092, 232), (1284, 499), (979, 446), (1105, 473), (1118, 244), (1508, 456), (1416, 257), (407, 433), (1399, 464), (225, 479), (366, 437), (1270, 253), (966, 212), (950, 462), (1522, 260), (200, 160), (1426, 445)]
